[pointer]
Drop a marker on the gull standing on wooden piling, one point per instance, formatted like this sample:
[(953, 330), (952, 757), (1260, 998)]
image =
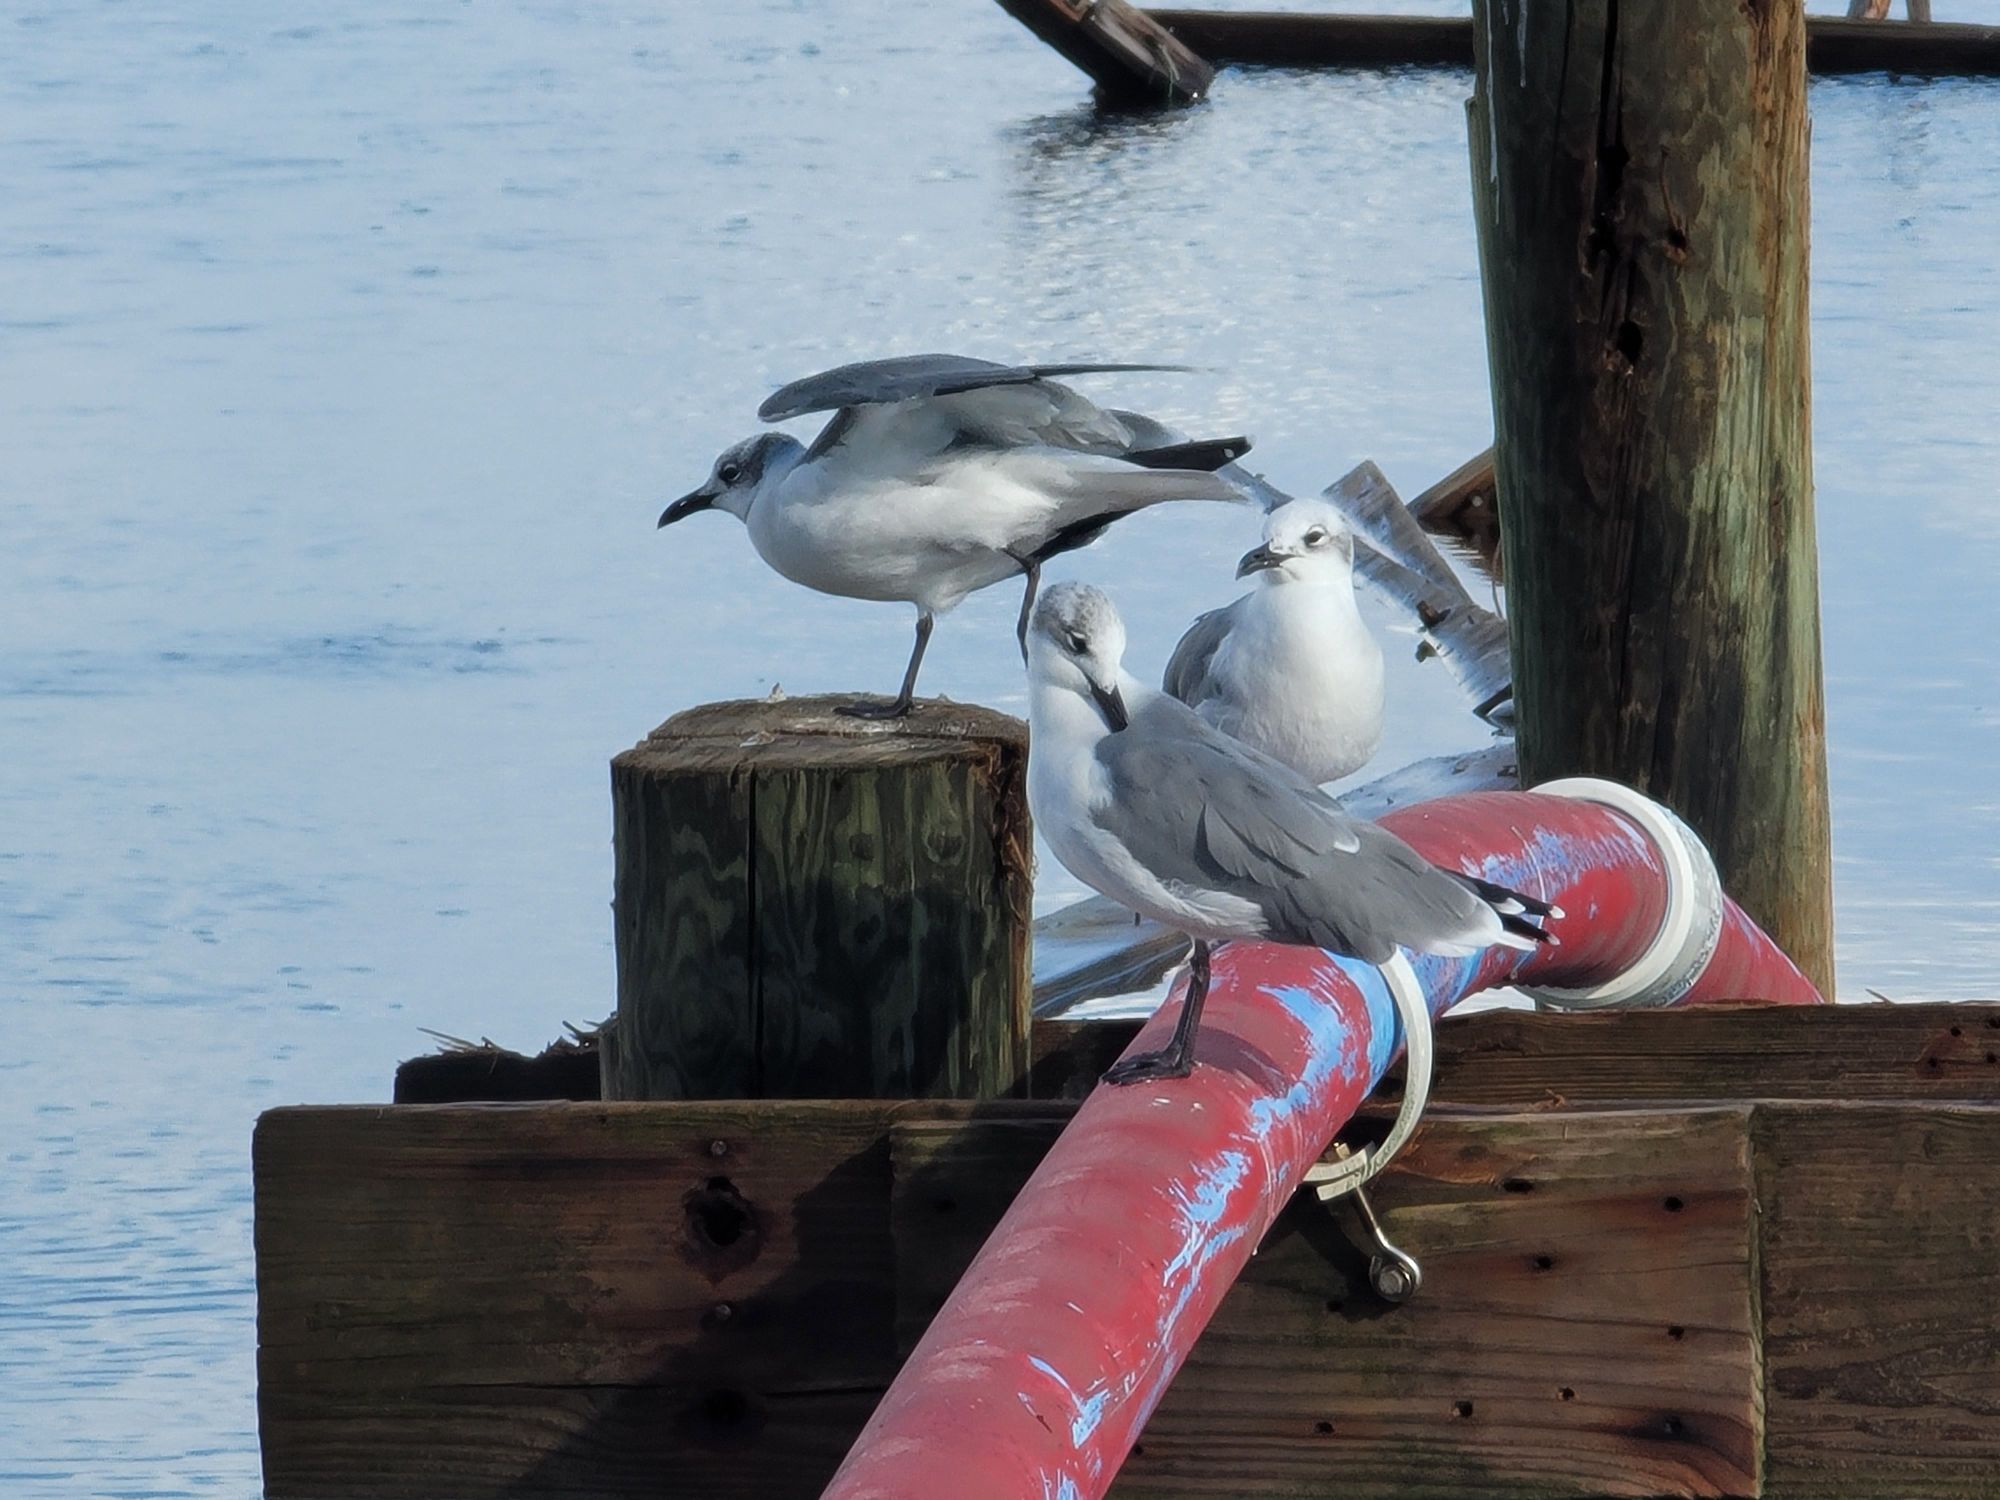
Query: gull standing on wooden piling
[(1290, 668), (939, 475), (1145, 801)]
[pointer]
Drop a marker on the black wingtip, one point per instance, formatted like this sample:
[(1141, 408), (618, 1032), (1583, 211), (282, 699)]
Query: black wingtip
[(1522, 927), (1205, 454)]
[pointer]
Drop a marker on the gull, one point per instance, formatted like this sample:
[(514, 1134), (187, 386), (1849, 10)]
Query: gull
[(939, 475), (1290, 668), (1143, 799)]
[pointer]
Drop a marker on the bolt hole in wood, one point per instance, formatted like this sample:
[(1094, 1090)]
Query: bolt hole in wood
[(1677, 1333), (1567, 1394), (1958, 1031), (1517, 1185), (1461, 1408), (1545, 1262), (1324, 1429), (722, 1228), (1673, 1426), (1334, 1305), (1672, 1205)]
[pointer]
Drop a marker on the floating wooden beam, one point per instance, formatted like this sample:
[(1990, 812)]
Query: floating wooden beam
[(1132, 58), (1303, 40)]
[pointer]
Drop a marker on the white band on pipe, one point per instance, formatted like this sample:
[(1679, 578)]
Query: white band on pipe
[(1692, 927), (1330, 1179)]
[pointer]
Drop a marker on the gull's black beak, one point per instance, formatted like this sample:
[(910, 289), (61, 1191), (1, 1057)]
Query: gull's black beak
[(1111, 703), (686, 506), (1256, 560)]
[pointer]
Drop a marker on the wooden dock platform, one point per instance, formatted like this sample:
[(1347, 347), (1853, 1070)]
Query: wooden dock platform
[(1722, 1252)]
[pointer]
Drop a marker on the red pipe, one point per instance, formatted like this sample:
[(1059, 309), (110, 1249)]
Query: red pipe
[(1042, 1368)]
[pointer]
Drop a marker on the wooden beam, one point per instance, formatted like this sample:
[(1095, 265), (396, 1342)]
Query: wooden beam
[(1641, 184), (1465, 506), (1879, 1266), (567, 1299), (1517, 1059), (1289, 39), (811, 906), (1133, 60), (1587, 1312)]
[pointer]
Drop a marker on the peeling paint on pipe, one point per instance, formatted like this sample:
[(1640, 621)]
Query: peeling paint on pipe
[(1042, 1368)]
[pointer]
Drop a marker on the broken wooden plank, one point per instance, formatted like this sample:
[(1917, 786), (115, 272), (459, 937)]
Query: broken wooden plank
[(1518, 1059), (1880, 1260), (1464, 506), (1305, 40), (1587, 1324), (1131, 58)]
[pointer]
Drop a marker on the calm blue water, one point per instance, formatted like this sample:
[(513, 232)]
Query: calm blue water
[(346, 365)]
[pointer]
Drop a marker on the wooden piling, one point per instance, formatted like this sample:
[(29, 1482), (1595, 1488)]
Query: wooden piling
[(812, 906), (1640, 182)]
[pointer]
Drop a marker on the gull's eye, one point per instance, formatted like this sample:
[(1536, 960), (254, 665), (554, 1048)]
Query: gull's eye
[(1316, 537), (1076, 643), (729, 473)]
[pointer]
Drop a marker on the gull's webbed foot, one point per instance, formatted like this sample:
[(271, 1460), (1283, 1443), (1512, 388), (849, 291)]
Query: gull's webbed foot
[(1151, 1067)]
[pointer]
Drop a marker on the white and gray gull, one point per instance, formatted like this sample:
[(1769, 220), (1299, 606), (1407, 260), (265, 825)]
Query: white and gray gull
[(1145, 801), (939, 475), (1290, 668)]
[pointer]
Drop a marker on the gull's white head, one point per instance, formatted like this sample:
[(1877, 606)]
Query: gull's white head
[(1305, 541), (1077, 642), (739, 473)]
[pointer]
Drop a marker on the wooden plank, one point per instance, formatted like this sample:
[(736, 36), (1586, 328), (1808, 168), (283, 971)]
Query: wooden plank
[(1881, 1254), (1515, 1059), (1131, 58), (1293, 39), (569, 1299), (1586, 1327), (1465, 506), (813, 906)]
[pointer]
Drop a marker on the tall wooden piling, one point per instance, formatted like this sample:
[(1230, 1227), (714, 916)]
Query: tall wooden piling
[(812, 906), (1640, 185)]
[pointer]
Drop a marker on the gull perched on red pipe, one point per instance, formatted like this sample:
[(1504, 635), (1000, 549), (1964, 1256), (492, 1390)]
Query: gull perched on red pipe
[(1146, 802), (939, 475)]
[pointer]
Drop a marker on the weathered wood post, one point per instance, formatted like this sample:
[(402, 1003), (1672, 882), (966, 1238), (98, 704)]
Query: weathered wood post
[(1640, 186), (812, 906)]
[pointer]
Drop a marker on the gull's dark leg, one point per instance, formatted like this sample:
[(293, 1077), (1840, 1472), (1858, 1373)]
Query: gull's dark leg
[(1034, 571), (1176, 1059), (907, 697)]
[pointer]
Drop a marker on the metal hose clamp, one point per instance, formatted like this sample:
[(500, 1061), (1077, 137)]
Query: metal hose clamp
[(1330, 1179)]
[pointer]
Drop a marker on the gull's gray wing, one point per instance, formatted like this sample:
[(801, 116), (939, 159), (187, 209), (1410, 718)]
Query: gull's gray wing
[(1196, 806), (877, 382), (1200, 810), (1186, 676)]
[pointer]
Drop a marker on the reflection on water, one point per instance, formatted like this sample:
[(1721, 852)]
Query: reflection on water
[(347, 366)]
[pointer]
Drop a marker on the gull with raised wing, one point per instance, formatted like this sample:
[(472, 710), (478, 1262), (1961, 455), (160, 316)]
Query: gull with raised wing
[(1290, 668), (1147, 802), (939, 475)]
